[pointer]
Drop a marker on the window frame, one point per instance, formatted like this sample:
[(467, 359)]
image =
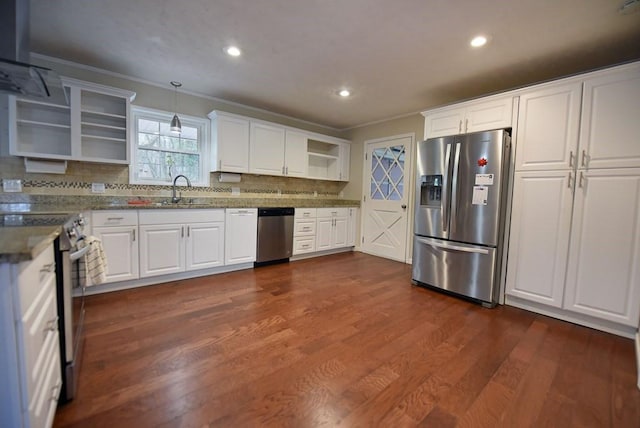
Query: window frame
[(203, 126)]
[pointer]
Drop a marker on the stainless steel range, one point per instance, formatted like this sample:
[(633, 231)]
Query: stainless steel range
[(70, 293)]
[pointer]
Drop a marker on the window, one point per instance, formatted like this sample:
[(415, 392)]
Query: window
[(159, 155)]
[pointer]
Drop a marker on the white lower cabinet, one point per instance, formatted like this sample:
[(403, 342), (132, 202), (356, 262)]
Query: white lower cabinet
[(603, 278), (331, 228), (585, 262), (173, 241), (241, 226), (118, 231), (304, 231), (30, 355)]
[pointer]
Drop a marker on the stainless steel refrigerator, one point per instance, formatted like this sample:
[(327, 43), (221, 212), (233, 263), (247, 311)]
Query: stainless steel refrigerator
[(459, 214)]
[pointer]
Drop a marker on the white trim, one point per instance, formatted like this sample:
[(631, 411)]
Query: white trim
[(153, 114), (321, 253), (573, 317), (638, 355), (154, 280), (182, 91)]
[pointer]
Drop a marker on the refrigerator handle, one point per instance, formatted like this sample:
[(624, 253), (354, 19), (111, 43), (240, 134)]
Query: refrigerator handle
[(454, 187), (446, 189), (449, 246)]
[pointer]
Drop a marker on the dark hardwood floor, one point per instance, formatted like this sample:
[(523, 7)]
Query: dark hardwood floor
[(341, 340)]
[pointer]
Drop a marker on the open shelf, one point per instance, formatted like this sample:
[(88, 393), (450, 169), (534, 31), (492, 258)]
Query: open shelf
[(45, 124)]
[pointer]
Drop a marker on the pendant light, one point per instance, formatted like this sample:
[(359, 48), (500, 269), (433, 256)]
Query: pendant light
[(176, 126)]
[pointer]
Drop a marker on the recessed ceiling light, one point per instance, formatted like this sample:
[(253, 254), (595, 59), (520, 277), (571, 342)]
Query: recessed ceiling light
[(344, 93), (233, 51), (478, 41)]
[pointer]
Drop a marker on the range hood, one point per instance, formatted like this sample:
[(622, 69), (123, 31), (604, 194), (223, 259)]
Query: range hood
[(17, 76)]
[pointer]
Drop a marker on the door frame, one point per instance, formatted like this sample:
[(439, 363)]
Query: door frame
[(409, 186)]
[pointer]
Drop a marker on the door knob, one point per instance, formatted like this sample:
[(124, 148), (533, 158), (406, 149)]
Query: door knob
[(404, 207)]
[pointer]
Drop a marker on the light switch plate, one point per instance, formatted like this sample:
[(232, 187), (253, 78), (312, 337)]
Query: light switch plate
[(9, 185), (97, 187)]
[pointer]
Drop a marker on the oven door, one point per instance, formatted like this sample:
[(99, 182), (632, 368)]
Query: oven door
[(72, 312)]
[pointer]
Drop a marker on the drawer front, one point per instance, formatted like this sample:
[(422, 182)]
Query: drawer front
[(181, 216), (114, 218), (32, 275), (302, 245), (39, 333), (305, 228), (44, 401), (305, 213), (333, 212)]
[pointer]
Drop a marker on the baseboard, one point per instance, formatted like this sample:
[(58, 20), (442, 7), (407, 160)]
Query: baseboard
[(638, 355)]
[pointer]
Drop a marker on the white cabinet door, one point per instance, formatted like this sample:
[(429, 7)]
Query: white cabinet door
[(340, 232), (295, 154), (204, 245), (443, 122), (610, 126), (487, 115), (539, 239), (603, 278), (120, 245), (266, 146), (241, 235), (324, 233), (548, 127), (353, 226), (230, 143), (161, 249)]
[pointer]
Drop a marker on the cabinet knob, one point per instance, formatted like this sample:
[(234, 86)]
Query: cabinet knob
[(404, 207)]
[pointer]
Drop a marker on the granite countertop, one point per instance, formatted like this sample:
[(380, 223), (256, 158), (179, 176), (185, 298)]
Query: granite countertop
[(21, 243), (18, 244)]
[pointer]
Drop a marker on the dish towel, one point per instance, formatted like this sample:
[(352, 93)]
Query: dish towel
[(95, 260)]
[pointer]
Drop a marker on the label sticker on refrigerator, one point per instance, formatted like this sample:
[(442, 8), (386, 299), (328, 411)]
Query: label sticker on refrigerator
[(484, 179), (480, 195)]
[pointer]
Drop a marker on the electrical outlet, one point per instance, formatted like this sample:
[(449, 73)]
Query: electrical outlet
[(97, 187), (279, 192), (315, 193), (9, 185), (235, 191), (341, 194)]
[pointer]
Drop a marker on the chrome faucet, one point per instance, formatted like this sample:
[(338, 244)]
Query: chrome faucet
[(175, 199)]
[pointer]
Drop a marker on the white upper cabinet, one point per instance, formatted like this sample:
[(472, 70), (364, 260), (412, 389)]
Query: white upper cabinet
[(345, 161), (84, 121), (469, 117), (548, 127), (266, 149), (295, 154), (230, 142), (610, 129), (603, 278)]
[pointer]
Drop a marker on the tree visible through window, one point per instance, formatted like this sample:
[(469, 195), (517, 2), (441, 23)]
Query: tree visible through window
[(160, 155)]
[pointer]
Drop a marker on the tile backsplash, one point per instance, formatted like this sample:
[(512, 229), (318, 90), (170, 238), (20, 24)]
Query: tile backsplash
[(79, 177)]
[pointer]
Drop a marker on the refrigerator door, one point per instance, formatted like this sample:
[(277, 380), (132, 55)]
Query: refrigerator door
[(433, 187), (478, 187), (463, 269)]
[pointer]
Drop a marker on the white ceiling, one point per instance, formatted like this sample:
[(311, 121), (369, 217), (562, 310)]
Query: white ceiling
[(396, 56)]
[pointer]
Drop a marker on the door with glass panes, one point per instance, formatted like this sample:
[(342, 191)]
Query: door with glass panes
[(386, 197)]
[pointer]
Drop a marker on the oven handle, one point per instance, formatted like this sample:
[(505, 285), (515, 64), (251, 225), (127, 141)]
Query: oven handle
[(77, 254)]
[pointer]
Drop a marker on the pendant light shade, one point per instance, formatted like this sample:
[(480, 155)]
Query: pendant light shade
[(175, 126)]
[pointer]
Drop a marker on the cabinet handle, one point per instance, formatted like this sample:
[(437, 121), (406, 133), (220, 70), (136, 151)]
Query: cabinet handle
[(466, 125), (182, 231), (282, 169), (569, 181), (306, 214), (286, 170), (52, 325), (54, 391), (581, 181), (460, 127), (584, 158), (306, 246), (188, 231), (114, 218), (49, 267), (571, 159), (243, 211)]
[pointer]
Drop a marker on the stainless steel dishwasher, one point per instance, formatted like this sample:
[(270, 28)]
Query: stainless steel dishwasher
[(275, 235)]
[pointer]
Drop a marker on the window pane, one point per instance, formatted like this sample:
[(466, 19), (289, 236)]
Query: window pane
[(164, 166), (189, 132), (148, 126)]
